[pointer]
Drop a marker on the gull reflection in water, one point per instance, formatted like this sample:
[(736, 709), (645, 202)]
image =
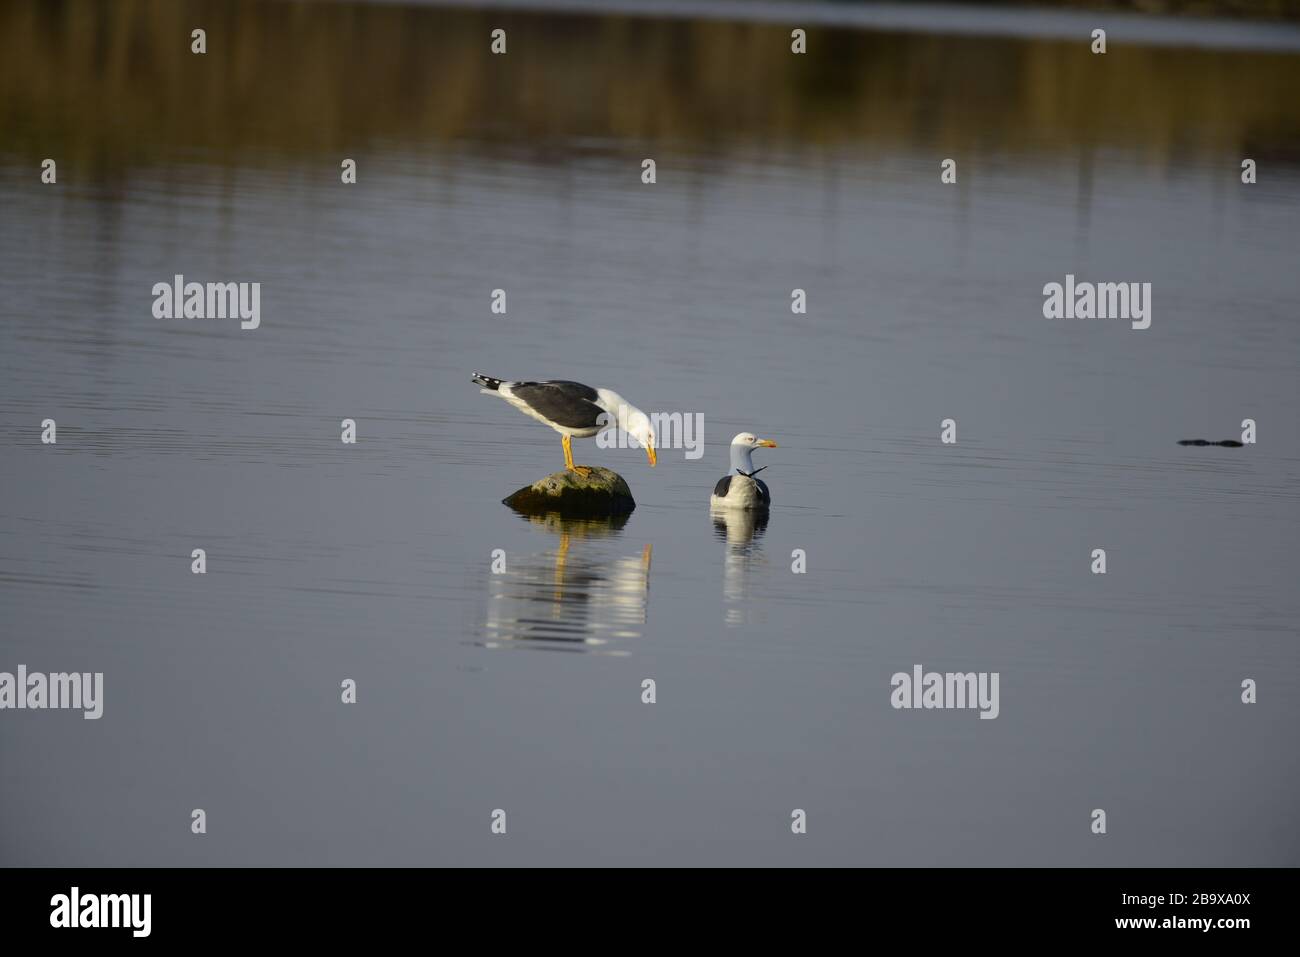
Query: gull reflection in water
[(581, 595), (740, 529)]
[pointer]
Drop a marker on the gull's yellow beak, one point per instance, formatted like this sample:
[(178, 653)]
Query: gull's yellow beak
[(766, 444), (650, 454)]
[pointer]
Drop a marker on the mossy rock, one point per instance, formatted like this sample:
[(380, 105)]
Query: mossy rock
[(603, 492)]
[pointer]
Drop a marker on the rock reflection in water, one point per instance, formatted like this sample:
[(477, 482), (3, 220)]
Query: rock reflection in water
[(581, 595)]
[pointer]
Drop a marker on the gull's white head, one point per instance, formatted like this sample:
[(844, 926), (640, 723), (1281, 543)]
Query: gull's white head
[(742, 446), (751, 441), (629, 418), (637, 424)]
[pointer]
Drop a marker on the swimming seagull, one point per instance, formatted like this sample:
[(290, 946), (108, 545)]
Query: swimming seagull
[(574, 410), (742, 490)]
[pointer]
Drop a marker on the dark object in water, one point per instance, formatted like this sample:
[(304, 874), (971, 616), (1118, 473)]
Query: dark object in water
[(1226, 443), (600, 493)]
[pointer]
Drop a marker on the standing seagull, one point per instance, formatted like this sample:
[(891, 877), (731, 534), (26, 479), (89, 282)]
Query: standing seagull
[(743, 490), (574, 409)]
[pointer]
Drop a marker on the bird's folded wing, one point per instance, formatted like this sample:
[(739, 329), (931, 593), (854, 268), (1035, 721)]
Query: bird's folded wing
[(570, 404)]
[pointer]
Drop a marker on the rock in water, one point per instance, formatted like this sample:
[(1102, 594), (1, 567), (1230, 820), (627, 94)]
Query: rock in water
[(603, 492)]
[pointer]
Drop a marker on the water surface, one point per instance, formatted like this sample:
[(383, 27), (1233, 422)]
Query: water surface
[(374, 561)]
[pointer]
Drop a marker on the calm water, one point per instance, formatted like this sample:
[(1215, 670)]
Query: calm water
[(373, 561)]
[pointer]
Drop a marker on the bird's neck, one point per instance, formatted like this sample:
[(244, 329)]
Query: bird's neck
[(740, 458), (623, 412)]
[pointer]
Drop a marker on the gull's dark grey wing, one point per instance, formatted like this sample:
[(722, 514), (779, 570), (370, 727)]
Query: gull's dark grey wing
[(570, 404), (723, 485), (763, 492)]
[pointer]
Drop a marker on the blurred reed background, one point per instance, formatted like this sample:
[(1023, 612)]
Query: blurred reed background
[(114, 86)]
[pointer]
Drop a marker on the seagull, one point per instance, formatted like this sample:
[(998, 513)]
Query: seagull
[(743, 490), (574, 410)]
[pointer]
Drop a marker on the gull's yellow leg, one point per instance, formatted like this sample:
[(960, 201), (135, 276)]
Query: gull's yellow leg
[(568, 459)]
